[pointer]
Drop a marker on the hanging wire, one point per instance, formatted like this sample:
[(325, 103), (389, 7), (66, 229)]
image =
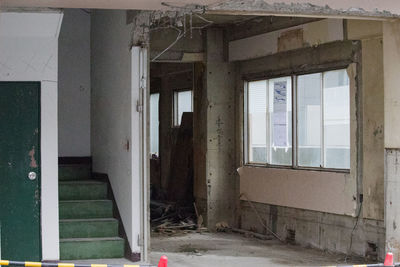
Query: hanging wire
[(180, 17)]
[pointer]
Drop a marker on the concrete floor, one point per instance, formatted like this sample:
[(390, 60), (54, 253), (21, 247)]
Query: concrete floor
[(225, 249)]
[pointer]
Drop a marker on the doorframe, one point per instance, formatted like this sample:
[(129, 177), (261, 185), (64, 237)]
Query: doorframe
[(145, 145), (49, 170), (140, 138)]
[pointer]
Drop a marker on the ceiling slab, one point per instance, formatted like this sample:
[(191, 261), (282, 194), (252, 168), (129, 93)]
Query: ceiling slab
[(357, 8)]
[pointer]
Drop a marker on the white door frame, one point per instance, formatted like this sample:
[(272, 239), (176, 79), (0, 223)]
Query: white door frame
[(140, 158)]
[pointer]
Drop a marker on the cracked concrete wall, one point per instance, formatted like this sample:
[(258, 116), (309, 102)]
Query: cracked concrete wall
[(391, 59), (331, 232), (370, 34)]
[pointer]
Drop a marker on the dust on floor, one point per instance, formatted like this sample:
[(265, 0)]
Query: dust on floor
[(226, 249)]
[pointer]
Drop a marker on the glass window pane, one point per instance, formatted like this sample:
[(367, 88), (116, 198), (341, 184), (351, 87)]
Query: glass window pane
[(257, 121), (154, 122), (184, 104), (336, 119), (280, 114), (309, 120)]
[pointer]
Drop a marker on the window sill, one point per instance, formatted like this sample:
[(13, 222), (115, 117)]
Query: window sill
[(255, 165)]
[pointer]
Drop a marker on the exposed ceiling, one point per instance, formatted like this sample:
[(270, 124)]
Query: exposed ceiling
[(367, 8)]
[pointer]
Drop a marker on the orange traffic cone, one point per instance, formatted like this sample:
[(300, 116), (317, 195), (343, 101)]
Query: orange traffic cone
[(388, 259), (163, 261)]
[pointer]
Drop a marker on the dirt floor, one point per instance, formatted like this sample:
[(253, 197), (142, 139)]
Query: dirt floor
[(225, 249)]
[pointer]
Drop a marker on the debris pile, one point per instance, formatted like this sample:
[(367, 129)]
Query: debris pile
[(171, 218)]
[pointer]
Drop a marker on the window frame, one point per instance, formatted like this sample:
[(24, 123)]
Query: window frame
[(293, 75), (158, 126), (175, 93)]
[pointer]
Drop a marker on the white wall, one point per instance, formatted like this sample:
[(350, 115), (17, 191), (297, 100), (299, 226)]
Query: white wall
[(112, 113), (74, 84), (28, 52)]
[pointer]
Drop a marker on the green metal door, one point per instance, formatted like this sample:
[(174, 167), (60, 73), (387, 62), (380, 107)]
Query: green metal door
[(19, 162)]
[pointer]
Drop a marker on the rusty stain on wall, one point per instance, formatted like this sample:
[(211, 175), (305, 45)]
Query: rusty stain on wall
[(31, 153), (292, 39)]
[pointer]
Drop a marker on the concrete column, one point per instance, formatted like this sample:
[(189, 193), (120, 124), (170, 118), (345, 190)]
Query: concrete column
[(391, 62), (220, 157)]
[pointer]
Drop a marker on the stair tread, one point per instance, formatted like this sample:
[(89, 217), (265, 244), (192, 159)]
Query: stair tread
[(90, 220), (90, 239), (85, 200), (74, 164), (80, 182)]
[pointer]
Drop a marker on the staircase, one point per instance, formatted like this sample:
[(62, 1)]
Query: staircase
[(88, 229)]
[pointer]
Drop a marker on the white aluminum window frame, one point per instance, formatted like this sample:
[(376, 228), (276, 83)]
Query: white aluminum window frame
[(158, 125), (294, 102), (269, 134)]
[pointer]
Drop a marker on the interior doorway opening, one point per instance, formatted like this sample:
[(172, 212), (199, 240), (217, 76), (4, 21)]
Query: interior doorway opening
[(171, 145)]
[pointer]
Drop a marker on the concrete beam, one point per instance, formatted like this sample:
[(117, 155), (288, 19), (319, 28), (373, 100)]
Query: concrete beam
[(262, 25)]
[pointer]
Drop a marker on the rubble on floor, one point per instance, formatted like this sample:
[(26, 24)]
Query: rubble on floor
[(171, 218)]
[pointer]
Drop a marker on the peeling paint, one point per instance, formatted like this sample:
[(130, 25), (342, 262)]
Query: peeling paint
[(31, 153)]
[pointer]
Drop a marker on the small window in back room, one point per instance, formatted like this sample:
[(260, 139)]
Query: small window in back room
[(183, 102), (154, 123)]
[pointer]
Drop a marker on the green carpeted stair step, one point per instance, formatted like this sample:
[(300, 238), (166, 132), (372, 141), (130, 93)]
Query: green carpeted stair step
[(74, 172), (91, 248), (85, 209), (88, 228), (82, 190)]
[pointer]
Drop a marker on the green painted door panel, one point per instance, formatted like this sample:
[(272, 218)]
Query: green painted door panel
[(19, 155)]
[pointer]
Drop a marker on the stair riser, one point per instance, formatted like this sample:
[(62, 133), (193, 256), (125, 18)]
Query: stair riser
[(82, 192), (75, 250), (74, 172), (88, 229), (85, 210)]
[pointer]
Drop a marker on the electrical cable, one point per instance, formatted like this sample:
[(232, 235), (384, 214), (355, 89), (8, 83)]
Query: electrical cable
[(260, 219), (181, 33), (352, 232)]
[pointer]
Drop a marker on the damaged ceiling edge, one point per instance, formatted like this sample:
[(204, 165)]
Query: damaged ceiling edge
[(259, 7)]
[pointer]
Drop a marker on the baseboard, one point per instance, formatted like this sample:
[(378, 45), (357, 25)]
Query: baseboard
[(132, 256), (74, 160)]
